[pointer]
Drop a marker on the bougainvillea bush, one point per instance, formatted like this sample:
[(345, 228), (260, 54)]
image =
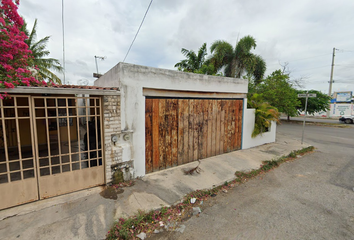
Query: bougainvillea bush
[(14, 52)]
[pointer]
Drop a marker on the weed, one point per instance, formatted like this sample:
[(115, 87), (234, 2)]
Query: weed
[(292, 154), (118, 177), (269, 165), (128, 228), (164, 210)]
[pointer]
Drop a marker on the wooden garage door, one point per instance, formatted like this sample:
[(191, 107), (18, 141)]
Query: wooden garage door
[(180, 131)]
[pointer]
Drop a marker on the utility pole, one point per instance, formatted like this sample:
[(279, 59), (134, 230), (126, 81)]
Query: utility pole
[(331, 79), (303, 125)]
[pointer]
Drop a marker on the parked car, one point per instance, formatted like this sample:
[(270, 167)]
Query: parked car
[(347, 119)]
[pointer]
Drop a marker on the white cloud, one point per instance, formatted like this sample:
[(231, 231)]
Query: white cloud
[(302, 33)]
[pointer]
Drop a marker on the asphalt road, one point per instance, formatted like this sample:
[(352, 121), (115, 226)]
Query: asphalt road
[(309, 198), (312, 119)]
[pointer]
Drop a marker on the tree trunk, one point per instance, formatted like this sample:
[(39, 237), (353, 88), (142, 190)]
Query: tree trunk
[(233, 68), (288, 118)]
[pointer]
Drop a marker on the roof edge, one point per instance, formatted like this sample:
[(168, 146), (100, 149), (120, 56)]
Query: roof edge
[(62, 90)]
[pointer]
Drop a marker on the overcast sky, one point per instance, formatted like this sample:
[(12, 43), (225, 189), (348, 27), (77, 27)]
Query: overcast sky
[(301, 33)]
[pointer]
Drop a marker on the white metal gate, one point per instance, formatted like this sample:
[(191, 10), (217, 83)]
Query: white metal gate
[(49, 146), (18, 182)]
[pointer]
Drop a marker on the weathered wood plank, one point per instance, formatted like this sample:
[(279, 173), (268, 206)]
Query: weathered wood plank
[(210, 127), (218, 127), (185, 104), (200, 130), (222, 129), (195, 132), (213, 134), (240, 118), (233, 127), (162, 134), (237, 115), (205, 104), (155, 135), (168, 128), (148, 135), (191, 130), (174, 134), (180, 134), (229, 126), (226, 113)]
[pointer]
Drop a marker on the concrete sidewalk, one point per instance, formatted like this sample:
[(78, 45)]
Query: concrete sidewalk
[(87, 215)]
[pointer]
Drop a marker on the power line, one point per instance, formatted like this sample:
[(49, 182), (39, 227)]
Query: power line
[(311, 57), (147, 10), (309, 68), (302, 58), (345, 66), (343, 50), (62, 22)]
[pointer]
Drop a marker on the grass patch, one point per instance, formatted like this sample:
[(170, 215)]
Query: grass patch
[(269, 165), (147, 222)]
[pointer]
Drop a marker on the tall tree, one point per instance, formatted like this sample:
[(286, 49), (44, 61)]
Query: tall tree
[(318, 104), (39, 54), (194, 62), (238, 61), (279, 92)]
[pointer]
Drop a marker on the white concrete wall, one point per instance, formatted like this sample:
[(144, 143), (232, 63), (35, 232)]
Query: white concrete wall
[(341, 109), (336, 110), (132, 79), (248, 126)]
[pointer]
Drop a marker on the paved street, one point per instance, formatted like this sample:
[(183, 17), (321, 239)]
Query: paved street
[(309, 198), (312, 119), (87, 215)]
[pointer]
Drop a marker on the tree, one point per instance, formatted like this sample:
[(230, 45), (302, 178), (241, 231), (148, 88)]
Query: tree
[(318, 104), (39, 53), (278, 92), (194, 62), (264, 115), (238, 61), (14, 53)]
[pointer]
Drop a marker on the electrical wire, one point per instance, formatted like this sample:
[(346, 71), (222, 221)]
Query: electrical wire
[(343, 50), (147, 10), (310, 68), (311, 57), (62, 23), (302, 58)]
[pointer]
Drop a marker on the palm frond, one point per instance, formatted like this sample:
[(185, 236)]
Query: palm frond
[(39, 52), (47, 74), (33, 34), (264, 114), (222, 54), (259, 69), (184, 51), (245, 45)]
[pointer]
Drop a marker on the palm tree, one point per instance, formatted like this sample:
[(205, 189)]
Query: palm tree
[(194, 62), (239, 60), (39, 53), (264, 115)]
